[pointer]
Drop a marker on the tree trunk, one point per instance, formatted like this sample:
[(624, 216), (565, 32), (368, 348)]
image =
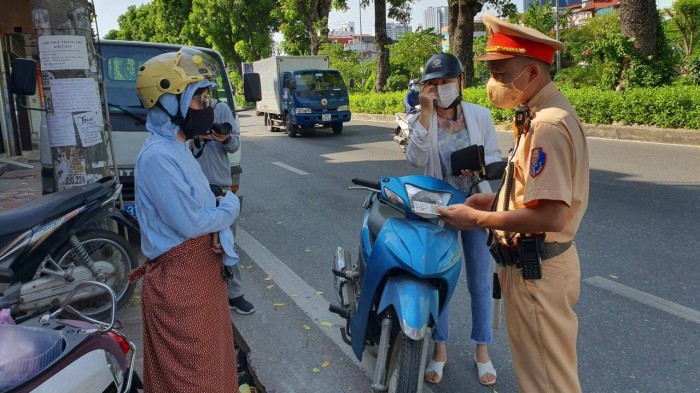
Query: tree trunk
[(639, 19), (463, 44), (453, 11), (382, 40), (71, 91)]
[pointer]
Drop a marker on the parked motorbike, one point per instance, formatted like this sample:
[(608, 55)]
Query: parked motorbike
[(402, 133), (83, 355), (406, 273), (51, 245), (407, 269)]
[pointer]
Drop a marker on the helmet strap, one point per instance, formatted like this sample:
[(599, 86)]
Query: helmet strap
[(176, 119), (454, 106)]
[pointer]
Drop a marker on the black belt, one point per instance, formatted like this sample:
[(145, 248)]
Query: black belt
[(508, 256)]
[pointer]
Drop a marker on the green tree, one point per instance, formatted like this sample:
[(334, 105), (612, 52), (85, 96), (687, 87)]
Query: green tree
[(510, 12), (136, 24), (461, 30), (539, 17), (413, 49), (686, 16), (602, 55), (240, 30), (309, 16)]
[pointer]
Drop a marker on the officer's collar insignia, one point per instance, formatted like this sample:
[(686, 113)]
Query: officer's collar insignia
[(538, 159)]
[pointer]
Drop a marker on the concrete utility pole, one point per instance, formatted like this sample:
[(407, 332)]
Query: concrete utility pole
[(69, 75)]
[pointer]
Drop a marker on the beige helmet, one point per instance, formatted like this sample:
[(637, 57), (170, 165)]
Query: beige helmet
[(171, 72)]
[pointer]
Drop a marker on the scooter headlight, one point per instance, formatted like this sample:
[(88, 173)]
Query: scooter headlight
[(424, 202)]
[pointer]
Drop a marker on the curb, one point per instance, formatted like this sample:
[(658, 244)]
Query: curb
[(618, 132)]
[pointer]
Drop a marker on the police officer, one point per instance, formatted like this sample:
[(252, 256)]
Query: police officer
[(536, 217)]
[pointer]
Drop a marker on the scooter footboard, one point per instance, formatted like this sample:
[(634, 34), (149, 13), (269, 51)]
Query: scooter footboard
[(415, 302)]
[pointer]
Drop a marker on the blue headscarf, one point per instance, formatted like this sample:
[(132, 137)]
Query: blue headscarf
[(173, 199)]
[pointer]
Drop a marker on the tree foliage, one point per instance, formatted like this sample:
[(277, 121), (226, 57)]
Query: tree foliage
[(686, 16), (136, 24), (540, 17), (305, 24), (600, 55), (410, 53), (461, 30)]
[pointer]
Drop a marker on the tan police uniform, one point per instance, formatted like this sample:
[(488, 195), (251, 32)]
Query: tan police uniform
[(551, 163)]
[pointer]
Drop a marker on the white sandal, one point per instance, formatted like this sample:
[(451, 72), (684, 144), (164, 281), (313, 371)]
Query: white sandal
[(435, 367), (483, 369)]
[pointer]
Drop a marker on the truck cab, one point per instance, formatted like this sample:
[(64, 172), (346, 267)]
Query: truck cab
[(121, 61), (302, 92)]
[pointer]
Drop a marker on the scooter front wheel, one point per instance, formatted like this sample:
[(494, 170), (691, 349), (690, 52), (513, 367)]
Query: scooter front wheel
[(406, 365)]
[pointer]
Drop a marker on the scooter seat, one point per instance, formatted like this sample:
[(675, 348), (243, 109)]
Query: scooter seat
[(48, 206), (378, 214)]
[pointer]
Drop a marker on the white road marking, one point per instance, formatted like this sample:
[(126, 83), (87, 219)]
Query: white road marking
[(315, 306), (290, 168), (684, 312)]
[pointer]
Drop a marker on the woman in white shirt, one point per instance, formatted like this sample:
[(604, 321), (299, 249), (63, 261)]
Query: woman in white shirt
[(444, 125)]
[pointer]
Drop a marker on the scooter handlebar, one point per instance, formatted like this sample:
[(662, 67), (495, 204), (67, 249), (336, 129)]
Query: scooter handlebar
[(375, 185)]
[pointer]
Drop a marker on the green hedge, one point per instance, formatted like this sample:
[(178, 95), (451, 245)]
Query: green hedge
[(670, 107)]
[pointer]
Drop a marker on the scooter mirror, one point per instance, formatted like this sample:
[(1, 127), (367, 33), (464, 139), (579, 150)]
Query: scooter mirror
[(23, 77), (495, 170)]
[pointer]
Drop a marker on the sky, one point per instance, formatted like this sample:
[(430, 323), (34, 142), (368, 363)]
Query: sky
[(109, 10)]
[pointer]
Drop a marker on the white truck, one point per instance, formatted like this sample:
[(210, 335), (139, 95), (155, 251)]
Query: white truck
[(121, 61), (300, 92)]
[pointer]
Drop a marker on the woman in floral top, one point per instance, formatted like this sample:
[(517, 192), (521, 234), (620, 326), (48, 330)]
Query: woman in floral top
[(444, 125)]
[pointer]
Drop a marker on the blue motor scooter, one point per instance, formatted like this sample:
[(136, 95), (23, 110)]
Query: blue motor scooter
[(407, 270)]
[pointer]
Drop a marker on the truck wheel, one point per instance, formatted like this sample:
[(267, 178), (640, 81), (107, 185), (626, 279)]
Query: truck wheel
[(337, 128), (268, 123), (289, 125)]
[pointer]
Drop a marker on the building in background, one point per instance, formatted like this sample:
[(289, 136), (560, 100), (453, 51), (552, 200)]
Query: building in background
[(479, 31), (396, 30), (581, 12), (562, 3), (346, 27), (436, 18), (365, 44)]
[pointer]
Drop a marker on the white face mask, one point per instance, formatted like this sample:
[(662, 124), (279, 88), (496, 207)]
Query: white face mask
[(447, 94)]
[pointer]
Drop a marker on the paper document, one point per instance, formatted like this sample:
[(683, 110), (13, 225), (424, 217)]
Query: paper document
[(425, 208)]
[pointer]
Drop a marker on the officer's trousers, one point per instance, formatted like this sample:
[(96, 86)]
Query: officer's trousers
[(542, 325)]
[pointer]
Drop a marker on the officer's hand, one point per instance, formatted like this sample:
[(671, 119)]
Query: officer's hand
[(481, 201), (217, 137), (427, 94), (461, 217)]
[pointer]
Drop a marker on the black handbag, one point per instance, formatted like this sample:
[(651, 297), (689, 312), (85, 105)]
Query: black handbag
[(470, 158)]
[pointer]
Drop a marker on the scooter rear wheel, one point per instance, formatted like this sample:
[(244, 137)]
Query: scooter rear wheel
[(106, 246)]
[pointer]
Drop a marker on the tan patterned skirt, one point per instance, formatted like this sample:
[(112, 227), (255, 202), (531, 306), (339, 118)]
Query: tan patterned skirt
[(187, 332)]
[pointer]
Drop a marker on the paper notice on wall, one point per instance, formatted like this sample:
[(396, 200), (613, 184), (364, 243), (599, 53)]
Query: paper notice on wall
[(89, 126), (61, 131), (75, 95), (63, 52)]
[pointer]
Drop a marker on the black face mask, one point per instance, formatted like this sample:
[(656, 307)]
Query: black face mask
[(197, 122)]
